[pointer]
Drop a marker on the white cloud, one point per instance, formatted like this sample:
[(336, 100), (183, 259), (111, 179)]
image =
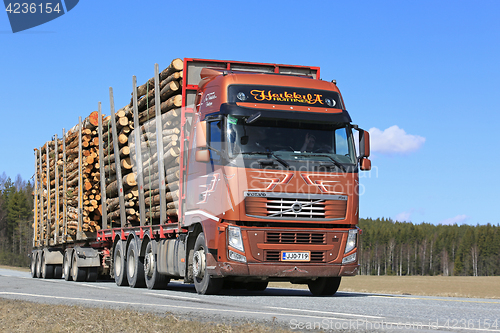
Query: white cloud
[(404, 216), (394, 140), (459, 219)]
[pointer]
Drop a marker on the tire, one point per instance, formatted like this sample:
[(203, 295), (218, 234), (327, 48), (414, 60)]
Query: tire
[(153, 279), (92, 274), (78, 274), (67, 266), (203, 283), (135, 266), (39, 264), (257, 286), (33, 264), (58, 270), (324, 286), (47, 270), (120, 264)]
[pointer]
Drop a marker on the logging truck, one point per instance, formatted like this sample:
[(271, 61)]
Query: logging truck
[(222, 174)]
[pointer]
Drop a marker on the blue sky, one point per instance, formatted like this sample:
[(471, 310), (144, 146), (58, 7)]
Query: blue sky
[(422, 76)]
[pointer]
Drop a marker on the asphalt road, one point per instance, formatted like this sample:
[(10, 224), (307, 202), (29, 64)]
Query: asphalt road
[(292, 308)]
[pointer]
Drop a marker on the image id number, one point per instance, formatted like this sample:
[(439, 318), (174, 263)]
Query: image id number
[(33, 8)]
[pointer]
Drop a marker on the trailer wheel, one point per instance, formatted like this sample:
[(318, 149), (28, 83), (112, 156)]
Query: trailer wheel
[(33, 264), (257, 285), (67, 266), (47, 270), (203, 282), (324, 286), (58, 270), (92, 274), (78, 274), (120, 264), (154, 280), (39, 264), (135, 266)]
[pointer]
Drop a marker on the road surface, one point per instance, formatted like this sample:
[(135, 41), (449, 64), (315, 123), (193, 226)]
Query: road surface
[(295, 309)]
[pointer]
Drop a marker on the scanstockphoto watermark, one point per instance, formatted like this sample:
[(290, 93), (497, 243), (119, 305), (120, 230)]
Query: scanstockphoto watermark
[(27, 14), (361, 324)]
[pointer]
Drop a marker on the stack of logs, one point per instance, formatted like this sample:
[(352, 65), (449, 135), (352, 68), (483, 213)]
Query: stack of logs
[(171, 100), (68, 202)]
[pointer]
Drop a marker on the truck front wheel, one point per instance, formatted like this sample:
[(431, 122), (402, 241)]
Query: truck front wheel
[(324, 286), (203, 282)]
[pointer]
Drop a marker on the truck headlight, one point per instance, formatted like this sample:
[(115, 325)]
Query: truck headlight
[(351, 240), (234, 238)]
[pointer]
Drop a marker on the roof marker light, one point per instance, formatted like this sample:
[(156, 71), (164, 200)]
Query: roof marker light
[(241, 96)]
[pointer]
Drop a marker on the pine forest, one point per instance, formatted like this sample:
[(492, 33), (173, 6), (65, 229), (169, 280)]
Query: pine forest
[(386, 247)]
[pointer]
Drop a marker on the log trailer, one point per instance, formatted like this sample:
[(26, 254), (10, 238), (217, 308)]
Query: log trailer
[(257, 181)]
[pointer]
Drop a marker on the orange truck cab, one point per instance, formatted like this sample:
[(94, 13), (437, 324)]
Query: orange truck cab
[(271, 177)]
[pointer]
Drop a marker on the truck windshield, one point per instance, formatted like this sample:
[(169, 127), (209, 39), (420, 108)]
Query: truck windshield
[(290, 139)]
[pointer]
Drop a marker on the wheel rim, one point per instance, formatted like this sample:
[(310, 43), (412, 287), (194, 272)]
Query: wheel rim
[(149, 264), (199, 264), (131, 263), (43, 267), (118, 263), (66, 265), (74, 268)]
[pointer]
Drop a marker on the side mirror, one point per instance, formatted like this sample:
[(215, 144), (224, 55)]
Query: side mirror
[(365, 164), (364, 143), (202, 153)]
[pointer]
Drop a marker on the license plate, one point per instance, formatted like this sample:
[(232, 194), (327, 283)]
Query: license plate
[(296, 256)]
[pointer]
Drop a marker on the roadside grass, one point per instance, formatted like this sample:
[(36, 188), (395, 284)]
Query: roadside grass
[(445, 286), (23, 316)]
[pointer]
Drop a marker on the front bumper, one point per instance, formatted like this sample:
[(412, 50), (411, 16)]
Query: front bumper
[(279, 271)]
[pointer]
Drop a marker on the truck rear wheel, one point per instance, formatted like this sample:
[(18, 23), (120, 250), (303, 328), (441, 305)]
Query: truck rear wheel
[(324, 286), (135, 266), (67, 266), (78, 274), (120, 264), (154, 280), (203, 282)]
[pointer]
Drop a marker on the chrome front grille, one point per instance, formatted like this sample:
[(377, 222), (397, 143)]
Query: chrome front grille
[(296, 208)]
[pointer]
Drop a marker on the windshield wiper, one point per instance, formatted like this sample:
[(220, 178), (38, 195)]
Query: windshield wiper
[(337, 163), (269, 153)]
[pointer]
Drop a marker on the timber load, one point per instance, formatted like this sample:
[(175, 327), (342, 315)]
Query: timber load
[(71, 193)]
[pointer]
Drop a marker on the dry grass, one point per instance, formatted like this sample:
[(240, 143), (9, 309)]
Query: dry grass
[(22, 316), (22, 269), (452, 286)]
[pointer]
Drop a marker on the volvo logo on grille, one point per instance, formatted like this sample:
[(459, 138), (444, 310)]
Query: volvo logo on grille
[(297, 207)]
